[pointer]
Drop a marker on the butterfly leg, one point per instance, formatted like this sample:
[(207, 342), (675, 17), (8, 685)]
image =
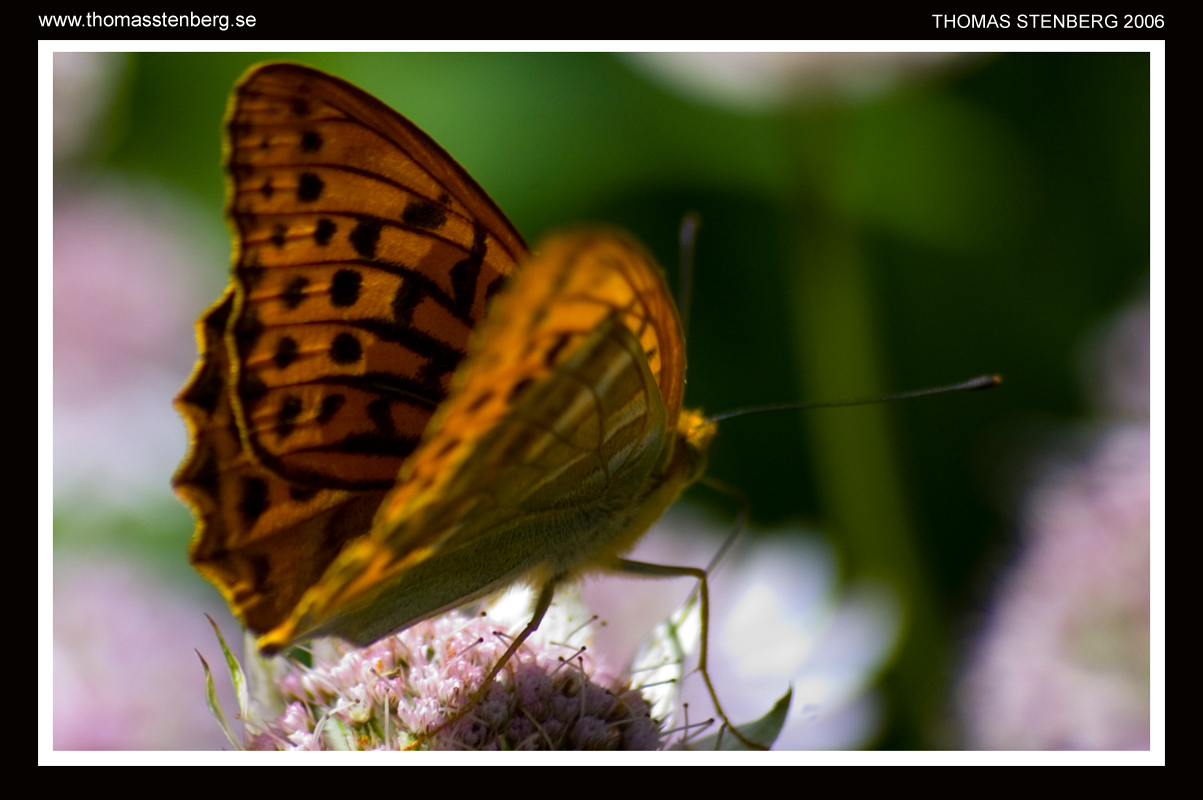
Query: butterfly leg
[(541, 606), (741, 519), (663, 571)]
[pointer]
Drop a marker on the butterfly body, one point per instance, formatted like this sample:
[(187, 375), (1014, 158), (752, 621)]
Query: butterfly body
[(552, 455), (398, 410)]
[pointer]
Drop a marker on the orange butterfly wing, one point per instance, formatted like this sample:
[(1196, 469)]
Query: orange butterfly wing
[(365, 256), (557, 447)]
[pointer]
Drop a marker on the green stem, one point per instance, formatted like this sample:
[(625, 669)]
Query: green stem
[(861, 490)]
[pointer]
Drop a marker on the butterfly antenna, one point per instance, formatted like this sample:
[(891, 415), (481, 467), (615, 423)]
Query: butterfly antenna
[(688, 241), (973, 385)]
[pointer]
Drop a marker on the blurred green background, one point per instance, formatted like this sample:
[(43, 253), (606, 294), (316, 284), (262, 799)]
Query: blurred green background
[(978, 219)]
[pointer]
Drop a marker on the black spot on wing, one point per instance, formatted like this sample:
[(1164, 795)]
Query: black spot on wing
[(325, 231), (254, 500), (381, 416), (421, 214), (310, 187), (345, 349), (365, 235), (286, 352), (294, 293), (344, 289), (331, 403), (253, 390), (247, 331), (286, 417), (311, 142)]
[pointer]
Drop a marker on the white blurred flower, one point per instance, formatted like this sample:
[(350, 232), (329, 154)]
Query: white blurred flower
[(1115, 365), (1063, 659), (765, 82), (126, 676), (84, 84), (778, 618)]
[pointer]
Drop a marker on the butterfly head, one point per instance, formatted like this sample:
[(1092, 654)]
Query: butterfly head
[(694, 435)]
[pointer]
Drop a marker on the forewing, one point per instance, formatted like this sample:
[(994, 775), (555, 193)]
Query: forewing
[(364, 255), (365, 258)]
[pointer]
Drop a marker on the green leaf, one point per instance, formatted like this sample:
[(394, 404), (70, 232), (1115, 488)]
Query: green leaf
[(236, 675), (763, 731), (215, 705)]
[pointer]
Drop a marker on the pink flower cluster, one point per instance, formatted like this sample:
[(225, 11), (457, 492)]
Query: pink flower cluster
[(388, 694)]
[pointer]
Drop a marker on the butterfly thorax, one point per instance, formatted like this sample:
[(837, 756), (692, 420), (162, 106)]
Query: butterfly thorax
[(681, 464)]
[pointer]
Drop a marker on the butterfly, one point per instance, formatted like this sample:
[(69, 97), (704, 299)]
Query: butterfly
[(399, 409)]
